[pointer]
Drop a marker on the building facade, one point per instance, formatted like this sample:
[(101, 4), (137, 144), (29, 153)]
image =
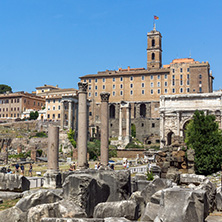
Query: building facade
[(12, 105), (142, 88)]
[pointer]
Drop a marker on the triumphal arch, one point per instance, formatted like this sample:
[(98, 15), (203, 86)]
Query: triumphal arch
[(177, 110)]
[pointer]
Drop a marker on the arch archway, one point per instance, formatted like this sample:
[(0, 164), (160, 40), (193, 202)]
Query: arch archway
[(170, 137)]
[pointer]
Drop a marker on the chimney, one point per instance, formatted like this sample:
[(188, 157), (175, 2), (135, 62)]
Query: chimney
[(128, 68)]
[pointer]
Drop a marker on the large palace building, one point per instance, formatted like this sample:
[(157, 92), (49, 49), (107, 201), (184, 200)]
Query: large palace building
[(141, 88)]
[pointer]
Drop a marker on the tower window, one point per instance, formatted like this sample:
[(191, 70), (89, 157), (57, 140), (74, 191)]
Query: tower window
[(153, 42), (153, 56)]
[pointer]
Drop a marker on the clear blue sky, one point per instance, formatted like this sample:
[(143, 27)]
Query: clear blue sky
[(56, 41)]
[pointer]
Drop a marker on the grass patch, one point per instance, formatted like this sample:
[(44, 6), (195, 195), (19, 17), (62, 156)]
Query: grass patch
[(8, 203)]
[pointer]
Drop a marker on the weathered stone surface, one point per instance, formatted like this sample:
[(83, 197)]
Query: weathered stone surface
[(190, 155), (62, 209), (85, 191), (10, 195), (155, 198), (118, 181), (13, 182), (185, 205), (210, 189), (139, 199), (109, 219), (153, 187), (191, 178), (12, 214), (38, 198), (125, 208), (219, 200), (150, 212)]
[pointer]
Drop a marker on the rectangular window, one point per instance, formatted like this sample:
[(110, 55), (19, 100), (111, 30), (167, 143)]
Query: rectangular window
[(151, 84), (58, 116), (181, 82), (143, 85), (143, 77), (104, 87), (181, 76), (104, 79), (121, 78), (188, 89), (114, 79), (48, 116), (95, 87), (173, 90), (114, 86), (181, 90), (181, 69), (158, 77), (131, 85), (121, 86), (96, 93), (89, 80), (173, 70), (89, 87), (121, 93), (158, 84), (58, 107), (131, 92), (173, 76), (173, 82), (89, 94), (188, 69), (158, 91), (53, 107), (151, 77), (151, 91), (114, 93), (153, 125), (165, 76), (188, 82), (188, 76), (165, 90), (165, 83), (131, 78), (96, 80), (53, 100), (143, 92), (200, 89), (48, 107)]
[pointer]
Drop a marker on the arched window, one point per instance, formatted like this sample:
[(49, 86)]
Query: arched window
[(200, 76), (153, 56), (143, 110), (112, 111), (153, 42)]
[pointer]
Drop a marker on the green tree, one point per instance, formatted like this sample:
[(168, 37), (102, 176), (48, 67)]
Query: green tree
[(133, 130), (5, 88), (34, 115), (203, 135), (71, 135)]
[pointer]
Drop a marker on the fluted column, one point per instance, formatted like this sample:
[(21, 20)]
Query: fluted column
[(104, 149), (128, 124), (120, 123), (62, 115), (70, 115), (82, 125)]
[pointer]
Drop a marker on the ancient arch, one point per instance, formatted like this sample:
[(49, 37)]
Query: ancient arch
[(170, 137)]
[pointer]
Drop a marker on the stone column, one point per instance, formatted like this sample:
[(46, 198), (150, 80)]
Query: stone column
[(104, 148), (82, 126), (128, 124), (73, 116), (53, 149), (52, 175), (70, 115), (120, 124), (178, 123), (5, 150), (62, 115), (162, 130)]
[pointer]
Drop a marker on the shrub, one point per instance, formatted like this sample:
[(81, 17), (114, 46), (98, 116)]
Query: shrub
[(71, 135)]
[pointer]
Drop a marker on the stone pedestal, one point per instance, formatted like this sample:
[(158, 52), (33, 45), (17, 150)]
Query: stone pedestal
[(52, 175), (104, 149), (82, 126)]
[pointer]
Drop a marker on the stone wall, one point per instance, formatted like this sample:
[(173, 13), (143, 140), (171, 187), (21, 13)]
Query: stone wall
[(130, 153)]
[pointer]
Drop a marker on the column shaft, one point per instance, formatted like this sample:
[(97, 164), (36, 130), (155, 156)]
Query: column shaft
[(53, 148), (70, 116), (120, 124), (62, 115)]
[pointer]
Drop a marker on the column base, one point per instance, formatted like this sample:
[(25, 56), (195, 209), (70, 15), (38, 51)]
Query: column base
[(52, 179)]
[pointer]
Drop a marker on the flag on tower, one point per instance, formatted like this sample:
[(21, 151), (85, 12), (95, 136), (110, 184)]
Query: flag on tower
[(156, 17)]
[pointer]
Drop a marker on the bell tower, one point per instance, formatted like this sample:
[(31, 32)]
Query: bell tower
[(154, 49)]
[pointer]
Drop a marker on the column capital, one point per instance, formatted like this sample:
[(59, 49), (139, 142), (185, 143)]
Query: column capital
[(105, 96), (82, 87)]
